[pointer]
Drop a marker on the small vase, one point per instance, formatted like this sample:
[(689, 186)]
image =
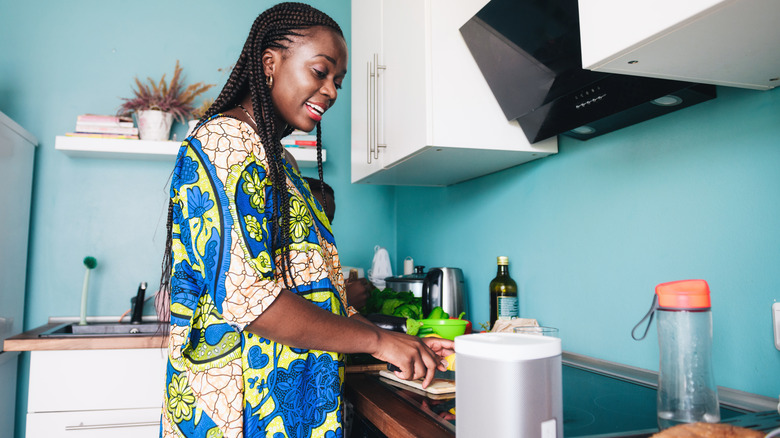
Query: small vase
[(192, 124), (154, 125)]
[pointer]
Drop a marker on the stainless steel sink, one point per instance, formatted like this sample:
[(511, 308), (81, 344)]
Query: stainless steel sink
[(69, 330)]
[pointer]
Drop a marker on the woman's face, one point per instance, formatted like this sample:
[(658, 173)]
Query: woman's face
[(307, 76)]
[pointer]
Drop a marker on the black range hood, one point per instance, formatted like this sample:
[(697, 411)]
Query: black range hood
[(529, 53)]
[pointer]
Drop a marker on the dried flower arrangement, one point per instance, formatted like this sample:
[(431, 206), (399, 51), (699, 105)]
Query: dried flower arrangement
[(200, 111), (170, 97)]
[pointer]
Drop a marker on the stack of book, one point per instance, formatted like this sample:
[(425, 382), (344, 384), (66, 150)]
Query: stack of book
[(300, 139), (99, 126)]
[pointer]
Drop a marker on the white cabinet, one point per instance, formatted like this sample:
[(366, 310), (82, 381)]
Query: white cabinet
[(721, 42), (366, 48), (422, 114), (125, 423), (91, 393)]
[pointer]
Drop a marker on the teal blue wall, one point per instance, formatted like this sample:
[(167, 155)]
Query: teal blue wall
[(82, 58), (62, 59), (590, 231)]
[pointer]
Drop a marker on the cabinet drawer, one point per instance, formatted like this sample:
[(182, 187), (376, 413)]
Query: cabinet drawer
[(122, 423), (75, 380)]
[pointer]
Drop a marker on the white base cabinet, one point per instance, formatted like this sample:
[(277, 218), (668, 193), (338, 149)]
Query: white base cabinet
[(91, 393), (123, 423), (422, 113)]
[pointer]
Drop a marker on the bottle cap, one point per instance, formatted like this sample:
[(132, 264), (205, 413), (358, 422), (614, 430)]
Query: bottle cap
[(683, 294), (503, 260)]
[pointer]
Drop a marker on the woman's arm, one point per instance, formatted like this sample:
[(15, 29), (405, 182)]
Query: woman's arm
[(293, 321)]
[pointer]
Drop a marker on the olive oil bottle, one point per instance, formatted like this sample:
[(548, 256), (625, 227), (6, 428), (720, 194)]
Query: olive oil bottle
[(503, 294)]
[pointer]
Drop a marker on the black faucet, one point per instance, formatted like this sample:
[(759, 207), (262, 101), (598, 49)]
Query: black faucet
[(138, 304)]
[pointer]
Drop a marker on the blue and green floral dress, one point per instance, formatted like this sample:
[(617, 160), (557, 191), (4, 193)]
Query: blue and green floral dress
[(221, 379)]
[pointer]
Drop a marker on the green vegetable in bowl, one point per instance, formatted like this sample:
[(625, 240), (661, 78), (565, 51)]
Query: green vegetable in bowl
[(438, 313), (412, 326)]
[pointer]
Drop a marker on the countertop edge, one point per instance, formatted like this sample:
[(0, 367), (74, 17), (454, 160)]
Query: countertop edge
[(29, 341)]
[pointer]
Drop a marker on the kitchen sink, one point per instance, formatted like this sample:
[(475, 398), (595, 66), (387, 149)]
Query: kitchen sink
[(69, 330)]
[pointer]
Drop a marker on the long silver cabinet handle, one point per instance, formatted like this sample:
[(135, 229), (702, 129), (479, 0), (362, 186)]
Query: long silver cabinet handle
[(377, 107), (368, 112), (83, 426)]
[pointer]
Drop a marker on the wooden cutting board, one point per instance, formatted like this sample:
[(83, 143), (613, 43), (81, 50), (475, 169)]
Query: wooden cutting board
[(437, 386), (367, 368)]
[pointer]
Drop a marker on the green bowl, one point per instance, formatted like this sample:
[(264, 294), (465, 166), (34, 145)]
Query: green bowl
[(446, 328)]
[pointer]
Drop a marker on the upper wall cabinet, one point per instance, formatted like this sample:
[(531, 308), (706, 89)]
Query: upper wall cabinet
[(422, 113), (721, 42)]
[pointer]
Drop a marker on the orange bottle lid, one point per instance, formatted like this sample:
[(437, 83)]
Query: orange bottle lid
[(684, 294)]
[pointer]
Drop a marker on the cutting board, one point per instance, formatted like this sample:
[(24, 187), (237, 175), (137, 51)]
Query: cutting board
[(437, 386)]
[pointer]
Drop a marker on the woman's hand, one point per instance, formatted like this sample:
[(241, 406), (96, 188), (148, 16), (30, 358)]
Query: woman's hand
[(358, 291), (442, 348), (418, 358)]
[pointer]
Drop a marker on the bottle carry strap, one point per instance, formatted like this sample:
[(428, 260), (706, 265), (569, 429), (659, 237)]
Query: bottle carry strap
[(649, 317)]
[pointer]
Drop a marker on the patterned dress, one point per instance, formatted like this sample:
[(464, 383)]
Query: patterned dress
[(222, 380)]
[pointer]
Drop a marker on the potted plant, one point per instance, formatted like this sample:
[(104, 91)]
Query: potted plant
[(157, 104)]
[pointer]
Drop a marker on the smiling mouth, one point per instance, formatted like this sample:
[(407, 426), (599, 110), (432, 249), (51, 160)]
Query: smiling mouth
[(315, 110)]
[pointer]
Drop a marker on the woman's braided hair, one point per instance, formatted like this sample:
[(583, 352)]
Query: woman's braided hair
[(274, 28)]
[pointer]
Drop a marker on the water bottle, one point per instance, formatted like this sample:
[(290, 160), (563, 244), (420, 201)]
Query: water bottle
[(686, 386)]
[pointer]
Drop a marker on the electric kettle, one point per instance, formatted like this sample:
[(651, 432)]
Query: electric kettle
[(444, 287)]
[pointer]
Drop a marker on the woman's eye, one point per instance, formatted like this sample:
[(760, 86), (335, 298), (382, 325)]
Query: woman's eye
[(320, 74), (338, 85)]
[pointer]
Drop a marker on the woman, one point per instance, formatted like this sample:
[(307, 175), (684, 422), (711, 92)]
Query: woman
[(258, 308)]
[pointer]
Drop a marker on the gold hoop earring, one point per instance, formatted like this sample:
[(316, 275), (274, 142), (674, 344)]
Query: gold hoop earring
[(269, 80)]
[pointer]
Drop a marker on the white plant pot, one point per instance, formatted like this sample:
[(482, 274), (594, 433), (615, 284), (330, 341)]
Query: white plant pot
[(154, 125), (192, 124)]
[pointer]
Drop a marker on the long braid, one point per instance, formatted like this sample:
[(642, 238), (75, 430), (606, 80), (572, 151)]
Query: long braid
[(319, 167), (274, 28), (162, 298)]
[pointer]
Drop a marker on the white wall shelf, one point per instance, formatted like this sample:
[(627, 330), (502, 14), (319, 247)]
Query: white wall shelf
[(87, 147)]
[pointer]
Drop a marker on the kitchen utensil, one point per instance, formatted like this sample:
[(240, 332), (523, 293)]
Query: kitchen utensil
[(444, 375), (444, 287), (446, 328), (137, 304), (408, 283), (509, 386), (90, 262)]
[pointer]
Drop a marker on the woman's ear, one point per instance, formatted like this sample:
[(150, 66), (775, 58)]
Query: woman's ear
[(269, 59)]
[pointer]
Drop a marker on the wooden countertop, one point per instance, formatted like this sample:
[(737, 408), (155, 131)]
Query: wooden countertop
[(29, 341), (389, 413)]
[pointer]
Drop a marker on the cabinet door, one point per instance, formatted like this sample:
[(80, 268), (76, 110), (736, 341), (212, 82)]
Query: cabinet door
[(406, 99), (71, 380), (464, 113), (366, 83), (720, 42), (123, 423)]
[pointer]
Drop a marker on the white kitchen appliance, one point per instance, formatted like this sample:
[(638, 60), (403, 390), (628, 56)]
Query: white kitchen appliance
[(508, 385), (17, 152)]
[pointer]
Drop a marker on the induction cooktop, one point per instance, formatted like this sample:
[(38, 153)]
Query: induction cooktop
[(604, 400)]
